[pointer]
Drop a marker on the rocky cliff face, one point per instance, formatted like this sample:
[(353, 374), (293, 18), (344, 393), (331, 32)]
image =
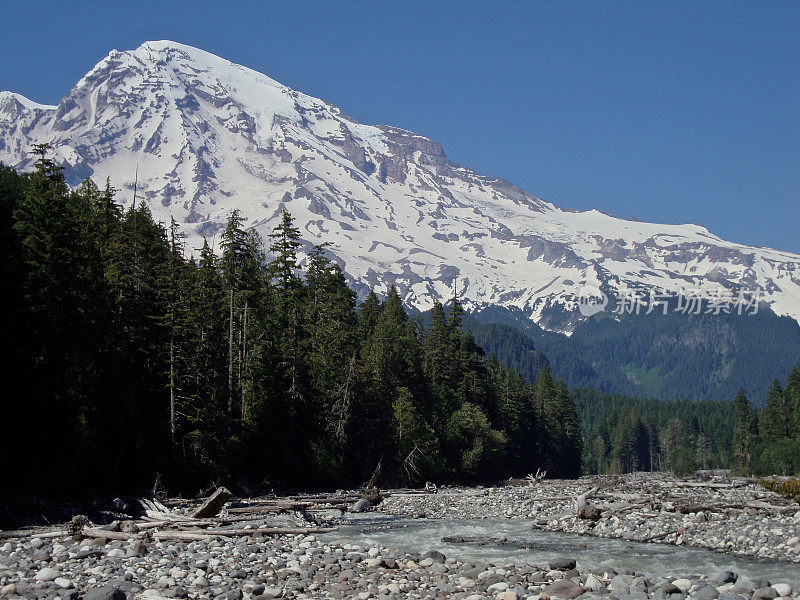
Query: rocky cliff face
[(209, 136)]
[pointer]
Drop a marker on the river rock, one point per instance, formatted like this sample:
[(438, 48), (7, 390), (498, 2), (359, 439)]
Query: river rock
[(435, 556), (562, 589), (562, 564), (783, 589), (707, 592), (361, 505), (765, 593), (106, 592), (47, 574), (721, 577), (682, 584)]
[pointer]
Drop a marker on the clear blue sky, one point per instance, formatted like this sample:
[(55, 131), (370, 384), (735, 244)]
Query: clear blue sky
[(663, 111)]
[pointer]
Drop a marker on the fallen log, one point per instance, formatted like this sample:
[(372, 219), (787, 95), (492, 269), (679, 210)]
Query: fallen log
[(202, 534), (711, 486), (18, 533), (110, 535), (268, 508), (213, 504), (199, 535)]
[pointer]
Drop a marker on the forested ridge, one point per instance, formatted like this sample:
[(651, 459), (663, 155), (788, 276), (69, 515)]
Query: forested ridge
[(125, 361), (672, 356)]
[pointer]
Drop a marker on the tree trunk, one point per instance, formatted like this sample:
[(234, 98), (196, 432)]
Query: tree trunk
[(230, 357), (243, 358)]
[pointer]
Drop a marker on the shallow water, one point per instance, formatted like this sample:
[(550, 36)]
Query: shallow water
[(419, 535)]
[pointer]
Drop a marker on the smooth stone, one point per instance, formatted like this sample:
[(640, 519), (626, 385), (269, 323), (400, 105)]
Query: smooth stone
[(361, 505), (765, 593), (507, 595), (106, 592), (435, 556), (562, 564), (63, 583), (783, 589), (721, 577), (593, 584), (562, 589), (47, 574), (682, 584), (707, 592)]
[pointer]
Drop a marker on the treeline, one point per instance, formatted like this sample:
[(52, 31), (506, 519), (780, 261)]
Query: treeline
[(623, 434), (767, 442), (125, 361)]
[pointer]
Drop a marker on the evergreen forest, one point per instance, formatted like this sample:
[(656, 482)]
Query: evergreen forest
[(131, 359)]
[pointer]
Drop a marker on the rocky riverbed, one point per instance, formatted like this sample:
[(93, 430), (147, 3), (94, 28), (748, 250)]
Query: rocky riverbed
[(352, 565), (305, 567), (724, 514)]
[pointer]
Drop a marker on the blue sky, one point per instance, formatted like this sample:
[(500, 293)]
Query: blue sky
[(661, 111)]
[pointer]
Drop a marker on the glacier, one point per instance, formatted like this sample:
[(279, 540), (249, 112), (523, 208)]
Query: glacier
[(208, 136)]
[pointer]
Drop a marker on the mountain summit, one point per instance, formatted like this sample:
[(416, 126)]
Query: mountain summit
[(208, 136)]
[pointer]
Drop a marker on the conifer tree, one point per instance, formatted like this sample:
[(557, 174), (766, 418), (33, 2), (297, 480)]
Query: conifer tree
[(744, 434), (774, 421)]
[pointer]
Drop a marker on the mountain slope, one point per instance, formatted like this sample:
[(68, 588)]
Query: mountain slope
[(672, 356), (209, 136)]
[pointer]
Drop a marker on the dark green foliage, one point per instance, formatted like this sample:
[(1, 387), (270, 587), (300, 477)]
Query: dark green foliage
[(625, 434), (769, 443), (788, 488), (126, 361), (744, 434)]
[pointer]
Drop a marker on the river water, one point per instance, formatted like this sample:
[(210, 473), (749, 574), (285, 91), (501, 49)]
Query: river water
[(525, 544)]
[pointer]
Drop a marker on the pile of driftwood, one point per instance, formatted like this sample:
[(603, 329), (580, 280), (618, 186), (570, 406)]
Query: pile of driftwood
[(218, 516)]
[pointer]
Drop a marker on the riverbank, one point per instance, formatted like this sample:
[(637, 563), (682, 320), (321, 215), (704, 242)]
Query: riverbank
[(722, 513), (263, 568), (243, 563)]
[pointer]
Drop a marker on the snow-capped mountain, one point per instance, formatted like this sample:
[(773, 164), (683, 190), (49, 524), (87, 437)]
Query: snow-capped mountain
[(209, 136)]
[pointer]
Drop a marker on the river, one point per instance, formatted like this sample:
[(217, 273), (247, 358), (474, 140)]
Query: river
[(525, 544)]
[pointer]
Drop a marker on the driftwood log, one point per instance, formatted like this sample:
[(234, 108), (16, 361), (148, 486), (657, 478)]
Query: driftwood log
[(201, 534), (213, 504), (19, 533)]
